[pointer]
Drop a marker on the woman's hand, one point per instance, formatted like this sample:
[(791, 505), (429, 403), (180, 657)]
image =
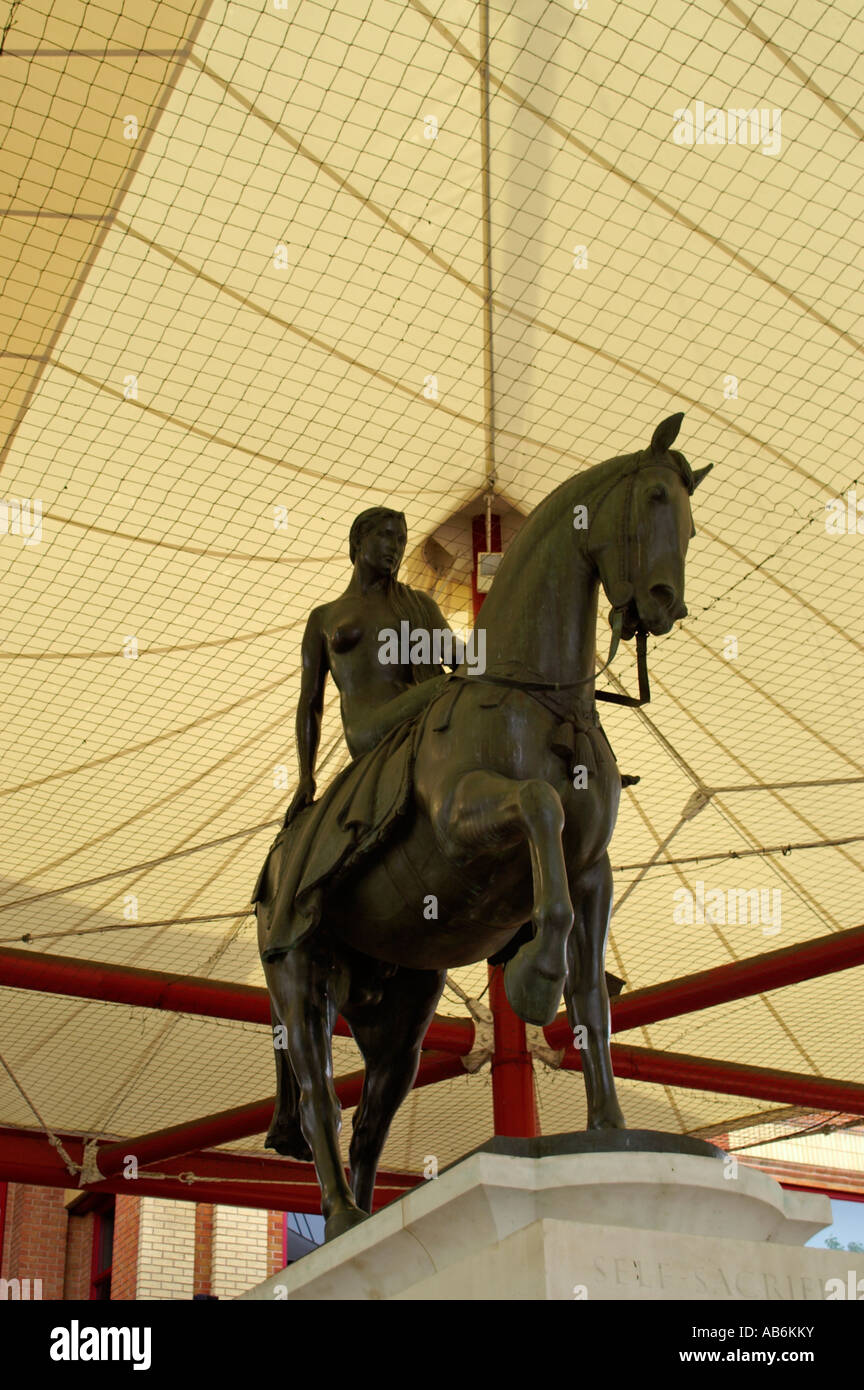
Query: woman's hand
[(303, 797)]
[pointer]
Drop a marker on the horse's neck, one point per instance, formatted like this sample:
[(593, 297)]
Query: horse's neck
[(540, 615)]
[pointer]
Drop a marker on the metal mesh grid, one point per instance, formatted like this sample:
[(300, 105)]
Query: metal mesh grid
[(301, 386)]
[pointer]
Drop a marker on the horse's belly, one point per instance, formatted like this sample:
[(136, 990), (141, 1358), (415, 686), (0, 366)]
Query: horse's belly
[(412, 908)]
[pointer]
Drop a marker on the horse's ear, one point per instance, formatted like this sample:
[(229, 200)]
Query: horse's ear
[(699, 474), (666, 433)]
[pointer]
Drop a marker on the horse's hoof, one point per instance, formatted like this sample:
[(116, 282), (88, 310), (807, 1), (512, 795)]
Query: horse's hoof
[(288, 1142), (341, 1221), (533, 996)]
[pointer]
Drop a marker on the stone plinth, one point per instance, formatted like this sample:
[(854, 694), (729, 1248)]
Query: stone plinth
[(621, 1225)]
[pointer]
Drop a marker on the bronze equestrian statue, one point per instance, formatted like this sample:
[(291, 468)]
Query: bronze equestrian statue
[(475, 803)]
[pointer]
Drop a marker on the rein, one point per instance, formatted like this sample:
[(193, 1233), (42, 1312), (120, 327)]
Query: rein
[(612, 697)]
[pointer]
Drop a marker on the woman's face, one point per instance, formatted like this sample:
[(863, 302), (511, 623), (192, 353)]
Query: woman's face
[(383, 545)]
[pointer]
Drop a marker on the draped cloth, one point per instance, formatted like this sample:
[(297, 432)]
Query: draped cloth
[(358, 812)]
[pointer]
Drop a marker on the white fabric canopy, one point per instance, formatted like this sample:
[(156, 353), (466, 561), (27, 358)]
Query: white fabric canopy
[(220, 337)]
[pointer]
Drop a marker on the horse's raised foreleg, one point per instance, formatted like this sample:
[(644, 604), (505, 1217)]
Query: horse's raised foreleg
[(490, 812), (587, 997), (307, 994), (390, 1035)]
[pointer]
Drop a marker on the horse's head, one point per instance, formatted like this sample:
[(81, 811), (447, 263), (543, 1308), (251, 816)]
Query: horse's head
[(639, 531)]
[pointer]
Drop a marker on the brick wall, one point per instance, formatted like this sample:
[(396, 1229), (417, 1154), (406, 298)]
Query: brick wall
[(275, 1242), (34, 1246), (240, 1249), (124, 1263), (6, 1254), (162, 1249), (166, 1249), (79, 1255), (203, 1272)]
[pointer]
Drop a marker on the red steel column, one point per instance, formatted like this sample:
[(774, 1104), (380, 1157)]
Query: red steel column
[(513, 1104)]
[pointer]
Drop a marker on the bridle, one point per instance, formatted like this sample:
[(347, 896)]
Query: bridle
[(626, 533)]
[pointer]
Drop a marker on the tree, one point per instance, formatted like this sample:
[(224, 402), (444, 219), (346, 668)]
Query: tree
[(854, 1247)]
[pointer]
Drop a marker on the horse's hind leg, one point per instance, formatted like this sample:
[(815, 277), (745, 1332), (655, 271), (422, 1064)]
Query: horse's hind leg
[(587, 996), (390, 1035), (490, 812), (307, 994), (285, 1134)]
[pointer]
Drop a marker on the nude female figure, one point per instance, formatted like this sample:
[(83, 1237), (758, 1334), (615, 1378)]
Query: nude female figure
[(342, 640)]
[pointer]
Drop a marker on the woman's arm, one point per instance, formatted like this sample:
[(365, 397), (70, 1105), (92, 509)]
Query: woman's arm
[(314, 667)]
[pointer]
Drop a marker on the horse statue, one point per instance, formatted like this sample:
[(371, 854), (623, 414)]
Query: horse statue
[(481, 803)]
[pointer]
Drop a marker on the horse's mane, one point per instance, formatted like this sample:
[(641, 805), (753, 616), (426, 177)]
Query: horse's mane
[(580, 489)]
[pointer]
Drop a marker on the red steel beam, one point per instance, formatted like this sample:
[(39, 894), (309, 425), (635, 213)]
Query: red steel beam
[(737, 980), (840, 1194), (730, 1078), (843, 1183), (242, 1180), (188, 994), (514, 1107), (123, 984), (241, 1122), (769, 970), (223, 1127)]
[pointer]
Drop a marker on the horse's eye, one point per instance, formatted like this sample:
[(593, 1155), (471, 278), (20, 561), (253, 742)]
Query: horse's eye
[(658, 493)]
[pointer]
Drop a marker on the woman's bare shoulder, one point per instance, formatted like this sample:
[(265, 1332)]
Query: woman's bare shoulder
[(324, 613)]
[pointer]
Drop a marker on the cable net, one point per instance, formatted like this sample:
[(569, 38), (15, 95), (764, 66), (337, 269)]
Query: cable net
[(243, 256)]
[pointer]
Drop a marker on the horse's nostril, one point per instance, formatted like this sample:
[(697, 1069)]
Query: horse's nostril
[(663, 594)]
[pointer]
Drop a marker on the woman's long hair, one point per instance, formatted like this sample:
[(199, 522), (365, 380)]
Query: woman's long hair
[(405, 599)]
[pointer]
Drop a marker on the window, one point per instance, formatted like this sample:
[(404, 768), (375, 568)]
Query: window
[(103, 1249), (302, 1234)]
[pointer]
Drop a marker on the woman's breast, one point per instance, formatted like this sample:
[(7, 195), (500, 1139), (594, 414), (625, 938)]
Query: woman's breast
[(347, 635)]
